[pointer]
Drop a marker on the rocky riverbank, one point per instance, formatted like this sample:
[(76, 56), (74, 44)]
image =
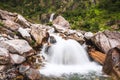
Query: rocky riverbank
[(21, 42)]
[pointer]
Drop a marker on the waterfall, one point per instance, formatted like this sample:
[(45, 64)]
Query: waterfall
[(51, 17), (66, 56)]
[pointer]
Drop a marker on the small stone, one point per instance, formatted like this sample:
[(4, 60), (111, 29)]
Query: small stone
[(17, 59), (88, 35), (33, 74), (25, 34), (2, 67), (23, 68)]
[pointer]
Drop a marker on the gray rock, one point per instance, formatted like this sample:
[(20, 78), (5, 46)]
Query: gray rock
[(61, 22), (22, 21), (112, 62), (17, 46), (17, 59), (38, 34), (7, 15), (88, 35), (106, 40), (23, 68), (33, 74), (4, 56), (25, 34), (2, 67), (11, 25)]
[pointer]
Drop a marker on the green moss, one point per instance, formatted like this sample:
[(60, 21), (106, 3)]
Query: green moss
[(1, 24), (50, 23)]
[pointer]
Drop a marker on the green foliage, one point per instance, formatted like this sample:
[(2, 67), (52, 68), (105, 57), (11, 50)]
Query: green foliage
[(50, 23), (82, 14), (1, 24)]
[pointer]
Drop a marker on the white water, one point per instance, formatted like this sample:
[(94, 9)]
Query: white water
[(51, 17), (65, 57)]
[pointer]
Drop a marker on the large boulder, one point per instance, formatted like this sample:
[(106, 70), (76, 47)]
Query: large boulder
[(61, 22), (106, 40), (18, 46), (112, 63)]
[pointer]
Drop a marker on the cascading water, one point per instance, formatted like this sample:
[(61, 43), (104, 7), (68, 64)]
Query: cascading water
[(51, 17), (65, 57)]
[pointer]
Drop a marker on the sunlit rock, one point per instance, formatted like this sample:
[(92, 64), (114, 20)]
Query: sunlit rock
[(17, 46), (106, 40), (11, 25), (61, 22), (25, 34), (22, 21), (39, 35), (17, 59), (7, 15), (88, 35)]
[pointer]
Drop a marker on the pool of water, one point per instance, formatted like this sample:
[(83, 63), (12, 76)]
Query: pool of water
[(75, 76)]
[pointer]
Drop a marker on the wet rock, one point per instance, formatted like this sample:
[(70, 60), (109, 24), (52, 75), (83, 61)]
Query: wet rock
[(4, 56), (33, 74), (17, 46), (112, 62), (17, 59), (97, 56), (61, 22), (106, 40)]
